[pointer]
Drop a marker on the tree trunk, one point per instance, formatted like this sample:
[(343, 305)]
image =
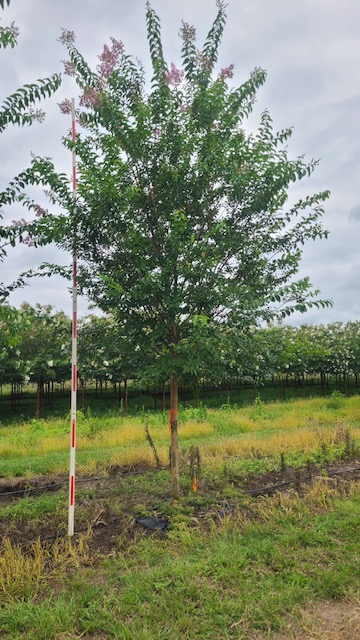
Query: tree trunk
[(197, 397), (163, 398), (83, 396), (115, 395), (323, 383), (174, 458), (126, 404), (38, 400)]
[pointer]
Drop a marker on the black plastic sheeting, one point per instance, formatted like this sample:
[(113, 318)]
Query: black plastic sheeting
[(150, 522)]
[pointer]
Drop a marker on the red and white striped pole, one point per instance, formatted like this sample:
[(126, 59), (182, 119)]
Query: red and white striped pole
[(74, 347)]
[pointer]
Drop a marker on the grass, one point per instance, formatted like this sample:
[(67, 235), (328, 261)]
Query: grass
[(257, 431), (228, 566), (231, 578)]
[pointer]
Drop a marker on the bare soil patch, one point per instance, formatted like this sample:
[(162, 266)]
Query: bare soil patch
[(321, 621), (111, 530)]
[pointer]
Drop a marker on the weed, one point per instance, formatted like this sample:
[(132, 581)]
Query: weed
[(153, 448), (259, 405), (36, 426), (24, 572), (325, 452), (196, 414), (226, 407), (283, 465), (336, 400), (350, 447), (21, 574)]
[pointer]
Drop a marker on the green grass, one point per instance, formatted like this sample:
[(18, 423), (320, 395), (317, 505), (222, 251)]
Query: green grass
[(141, 400), (229, 579), (241, 576), (317, 429)]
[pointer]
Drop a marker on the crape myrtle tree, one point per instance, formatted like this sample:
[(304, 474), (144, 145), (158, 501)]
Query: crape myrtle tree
[(102, 354), (45, 347), (182, 224), (19, 108)]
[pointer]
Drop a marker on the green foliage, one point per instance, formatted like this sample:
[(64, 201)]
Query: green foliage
[(198, 414), (182, 228), (45, 344), (32, 337), (336, 400), (19, 108), (8, 36)]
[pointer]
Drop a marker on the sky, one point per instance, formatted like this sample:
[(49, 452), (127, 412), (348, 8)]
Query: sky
[(311, 52)]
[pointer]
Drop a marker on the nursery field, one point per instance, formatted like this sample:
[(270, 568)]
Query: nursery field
[(266, 547)]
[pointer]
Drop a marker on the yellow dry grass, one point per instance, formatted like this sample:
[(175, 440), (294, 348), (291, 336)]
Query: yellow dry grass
[(129, 432), (24, 571), (265, 428), (305, 439), (20, 574)]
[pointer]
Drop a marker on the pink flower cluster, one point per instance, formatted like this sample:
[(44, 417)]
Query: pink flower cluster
[(69, 67), (65, 106), (19, 223), (204, 63), (110, 57), (117, 46), (67, 37), (37, 115), (187, 32), (228, 72), (50, 194), (90, 98), (30, 242), (40, 211), (174, 76)]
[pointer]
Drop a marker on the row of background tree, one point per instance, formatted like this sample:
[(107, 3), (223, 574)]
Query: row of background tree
[(36, 348)]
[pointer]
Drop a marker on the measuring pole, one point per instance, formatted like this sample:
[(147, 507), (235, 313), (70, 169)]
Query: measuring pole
[(74, 345)]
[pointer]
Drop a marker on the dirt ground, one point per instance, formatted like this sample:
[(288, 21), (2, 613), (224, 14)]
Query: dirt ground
[(321, 621), (107, 527)]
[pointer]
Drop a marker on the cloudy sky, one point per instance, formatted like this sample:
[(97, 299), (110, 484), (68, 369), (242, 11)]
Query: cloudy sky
[(311, 52)]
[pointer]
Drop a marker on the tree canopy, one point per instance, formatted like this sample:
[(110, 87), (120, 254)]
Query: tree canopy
[(182, 224)]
